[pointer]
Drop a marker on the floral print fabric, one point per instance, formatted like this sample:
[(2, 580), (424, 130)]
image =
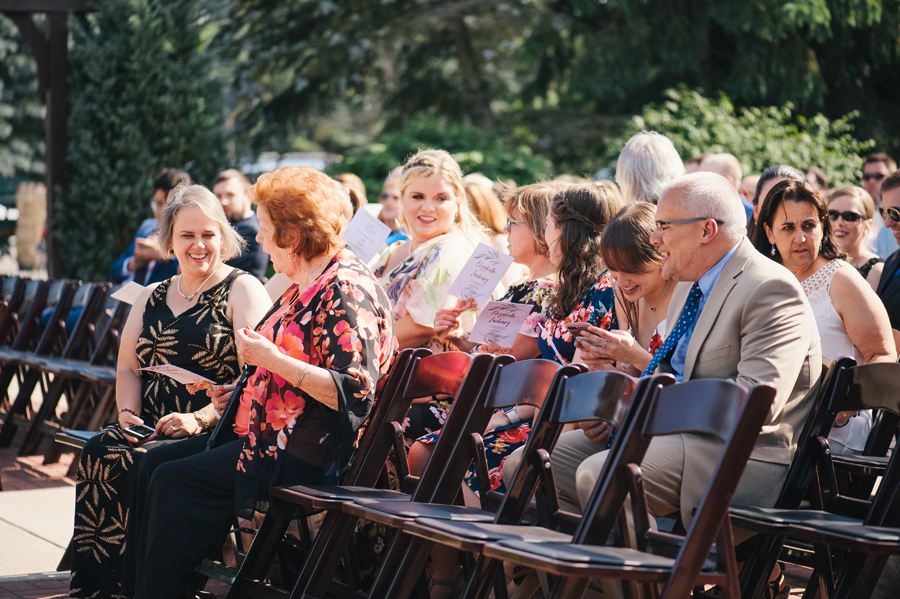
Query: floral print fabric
[(200, 339), (555, 340), (342, 323)]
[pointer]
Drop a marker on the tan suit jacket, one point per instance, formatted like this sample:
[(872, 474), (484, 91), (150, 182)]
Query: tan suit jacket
[(756, 327)]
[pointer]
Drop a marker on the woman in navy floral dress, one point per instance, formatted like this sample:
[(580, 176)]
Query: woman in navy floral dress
[(319, 353)]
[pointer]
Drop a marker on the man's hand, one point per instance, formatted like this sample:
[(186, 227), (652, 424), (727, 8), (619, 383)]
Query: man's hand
[(597, 431)]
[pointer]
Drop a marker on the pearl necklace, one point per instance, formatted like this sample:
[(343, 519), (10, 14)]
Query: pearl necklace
[(191, 296)]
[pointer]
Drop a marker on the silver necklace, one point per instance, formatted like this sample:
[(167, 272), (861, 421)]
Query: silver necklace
[(191, 296)]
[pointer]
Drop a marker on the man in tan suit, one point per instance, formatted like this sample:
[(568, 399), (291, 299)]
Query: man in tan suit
[(754, 325)]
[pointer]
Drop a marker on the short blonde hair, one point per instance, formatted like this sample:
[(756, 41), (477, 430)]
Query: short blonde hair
[(197, 196)]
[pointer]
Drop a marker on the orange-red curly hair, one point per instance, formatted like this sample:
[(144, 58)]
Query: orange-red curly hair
[(304, 208)]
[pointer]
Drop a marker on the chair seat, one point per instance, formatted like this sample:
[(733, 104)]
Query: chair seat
[(73, 438), (782, 520), (12, 355), (414, 509), (592, 555), (861, 464), (488, 531), (321, 497)]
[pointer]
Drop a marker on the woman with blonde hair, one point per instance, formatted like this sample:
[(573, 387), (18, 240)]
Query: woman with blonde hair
[(850, 210), (417, 273)]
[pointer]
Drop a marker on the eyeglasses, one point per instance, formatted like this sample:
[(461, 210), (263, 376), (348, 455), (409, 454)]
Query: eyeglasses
[(388, 196), (871, 176), (510, 220), (662, 224), (849, 217), (891, 213)]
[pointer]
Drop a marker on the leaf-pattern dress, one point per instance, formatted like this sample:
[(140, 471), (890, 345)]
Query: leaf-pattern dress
[(556, 342), (200, 339)]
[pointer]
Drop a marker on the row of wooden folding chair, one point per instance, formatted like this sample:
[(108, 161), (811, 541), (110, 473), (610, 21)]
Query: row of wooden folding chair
[(848, 532), (455, 374)]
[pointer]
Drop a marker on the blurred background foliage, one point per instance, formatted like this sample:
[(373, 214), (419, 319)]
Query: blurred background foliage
[(516, 89)]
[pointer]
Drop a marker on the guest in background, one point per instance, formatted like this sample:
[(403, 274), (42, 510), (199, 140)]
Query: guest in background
[(647, 163), (355, 187), (851, 210), (889, 286), (142, 261), (876, 167), (231, 188), (390, 207)]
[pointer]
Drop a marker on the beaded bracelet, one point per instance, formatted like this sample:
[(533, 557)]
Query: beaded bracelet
[(130, 411)]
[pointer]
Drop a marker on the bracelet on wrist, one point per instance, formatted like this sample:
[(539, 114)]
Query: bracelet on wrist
[(130, 411), (302, 375), (201, 420)]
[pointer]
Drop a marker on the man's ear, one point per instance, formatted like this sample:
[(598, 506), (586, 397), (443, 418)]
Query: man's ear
[(710, 231)]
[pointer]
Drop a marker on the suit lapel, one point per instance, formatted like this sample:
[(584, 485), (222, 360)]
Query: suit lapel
[(720, 291), (890, 267)]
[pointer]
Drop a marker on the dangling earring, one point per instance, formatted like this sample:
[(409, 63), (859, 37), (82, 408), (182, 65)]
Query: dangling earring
[(773, 251)]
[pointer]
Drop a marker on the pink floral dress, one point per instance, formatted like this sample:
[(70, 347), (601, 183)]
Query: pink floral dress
[(341, 323)]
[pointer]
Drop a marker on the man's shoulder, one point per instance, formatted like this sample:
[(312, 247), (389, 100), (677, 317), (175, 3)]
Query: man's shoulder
[(249, 225)]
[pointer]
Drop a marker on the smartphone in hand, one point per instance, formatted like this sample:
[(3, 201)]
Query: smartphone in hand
[(140, 431), (577, 328)]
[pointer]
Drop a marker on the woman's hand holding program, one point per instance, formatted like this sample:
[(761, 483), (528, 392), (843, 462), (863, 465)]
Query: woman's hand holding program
[(219, 396), (447, 323)]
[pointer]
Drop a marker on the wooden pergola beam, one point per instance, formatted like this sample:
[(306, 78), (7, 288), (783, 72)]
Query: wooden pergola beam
[(51, 52)]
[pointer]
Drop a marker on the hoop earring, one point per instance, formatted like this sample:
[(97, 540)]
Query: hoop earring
[(171, 252)]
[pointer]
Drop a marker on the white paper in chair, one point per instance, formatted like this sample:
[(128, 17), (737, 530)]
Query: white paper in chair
[(500, 322)]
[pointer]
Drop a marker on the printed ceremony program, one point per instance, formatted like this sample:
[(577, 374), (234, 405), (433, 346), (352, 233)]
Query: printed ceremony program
[(366, 235), (481, 274), (185, 377), (500, 322)]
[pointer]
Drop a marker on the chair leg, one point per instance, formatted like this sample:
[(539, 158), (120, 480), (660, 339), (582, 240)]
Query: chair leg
[(331, 542), (19, 407), (755, 574), (48, 407), (259, 556)]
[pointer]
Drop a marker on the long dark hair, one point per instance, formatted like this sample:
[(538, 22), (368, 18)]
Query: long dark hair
[(794, 191), (582, 213), (626, 248)]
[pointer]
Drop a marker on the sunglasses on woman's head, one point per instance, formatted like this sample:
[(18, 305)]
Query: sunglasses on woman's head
[(891, 213), (849, 217)]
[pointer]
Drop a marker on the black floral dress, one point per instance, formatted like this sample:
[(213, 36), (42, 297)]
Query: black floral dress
[(200, 339)]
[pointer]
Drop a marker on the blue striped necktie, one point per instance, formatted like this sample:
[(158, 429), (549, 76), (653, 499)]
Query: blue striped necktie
[(688, 314)]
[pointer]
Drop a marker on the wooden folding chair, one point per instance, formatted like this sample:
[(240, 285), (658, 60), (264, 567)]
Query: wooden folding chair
[(868, 386), (606, 396), (665, 563), (459, 375), (55, 383), (12, 298), (373, 439), (51, 342)]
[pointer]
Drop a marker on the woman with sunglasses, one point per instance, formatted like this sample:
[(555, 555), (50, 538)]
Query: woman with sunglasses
[(795, 230), (850, 210)]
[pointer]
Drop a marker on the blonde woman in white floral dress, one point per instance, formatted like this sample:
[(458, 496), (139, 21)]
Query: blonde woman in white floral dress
[(850, 318)]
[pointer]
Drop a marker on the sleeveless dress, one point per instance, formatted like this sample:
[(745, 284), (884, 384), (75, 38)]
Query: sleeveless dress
[(200, 339), (850, 438), (866, 268)]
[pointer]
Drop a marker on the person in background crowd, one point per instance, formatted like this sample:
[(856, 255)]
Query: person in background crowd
[(390, 207), (876, 167), (231, 187), (488, 209), (816, 177), (796, 232), (889, 286), (768, 180), (355, 187), (692, 164), (851, 210), (646, 164), (729, 167), (143, 262)]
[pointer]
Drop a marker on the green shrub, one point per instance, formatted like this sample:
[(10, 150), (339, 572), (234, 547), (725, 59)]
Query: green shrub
[(476, 150), (143, 98), (758, 137)]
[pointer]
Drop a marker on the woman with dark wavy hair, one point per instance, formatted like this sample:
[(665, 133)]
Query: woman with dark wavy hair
[(577, 217), (795, 231)]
